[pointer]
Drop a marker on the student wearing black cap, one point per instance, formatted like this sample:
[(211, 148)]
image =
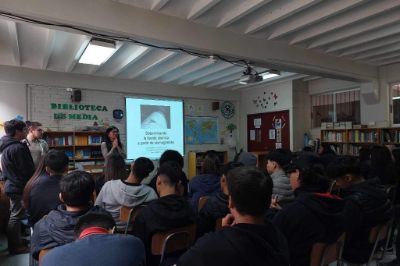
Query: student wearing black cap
[(314, 216), (366, 205)]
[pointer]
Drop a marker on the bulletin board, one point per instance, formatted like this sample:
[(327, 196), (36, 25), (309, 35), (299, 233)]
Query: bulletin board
[(268, 131)]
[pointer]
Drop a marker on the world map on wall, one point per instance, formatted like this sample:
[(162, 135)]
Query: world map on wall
[(201, 130)]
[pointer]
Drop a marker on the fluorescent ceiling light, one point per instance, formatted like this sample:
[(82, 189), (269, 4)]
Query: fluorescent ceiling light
[(396, 98), (268, 75), (97, 52)]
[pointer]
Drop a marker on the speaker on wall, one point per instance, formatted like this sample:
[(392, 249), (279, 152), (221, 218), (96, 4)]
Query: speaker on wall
[(76, 95), (215, 106), (118, 114)]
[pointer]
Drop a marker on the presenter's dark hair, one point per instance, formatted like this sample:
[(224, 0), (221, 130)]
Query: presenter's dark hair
[(115, 168), (96, 217), (77, 188), (211, 164), (250, 190), (11, 127), (171, 155), (107, 140), (142, 167)]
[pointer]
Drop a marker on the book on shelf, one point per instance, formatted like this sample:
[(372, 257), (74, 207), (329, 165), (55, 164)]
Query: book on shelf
[(94, 140), (81, 140)]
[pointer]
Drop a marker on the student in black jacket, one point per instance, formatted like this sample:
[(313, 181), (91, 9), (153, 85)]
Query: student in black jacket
[(17, 167), (314, 216), (366, 205), (57, 228), (169, 211), (216, 206), (41, 193), (244, 239)]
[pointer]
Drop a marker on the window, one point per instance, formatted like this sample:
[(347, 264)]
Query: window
[(395, 90), (336, 107)]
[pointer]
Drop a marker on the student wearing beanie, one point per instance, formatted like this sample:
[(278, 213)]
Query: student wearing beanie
[(129, 192), (276, 161)]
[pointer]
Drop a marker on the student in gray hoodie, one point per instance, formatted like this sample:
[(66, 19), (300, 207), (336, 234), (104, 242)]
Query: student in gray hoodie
[(129, 192), (277, 160)]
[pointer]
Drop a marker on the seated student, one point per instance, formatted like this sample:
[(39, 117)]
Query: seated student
[(129, 192), (169, 211), (216, 206), (207, 183), (244, 239), (57, 228), (276, 160), (314, 216), (97, 245), (366, 205), (173, 156), (246, 158), (114, 169), (41, 193)]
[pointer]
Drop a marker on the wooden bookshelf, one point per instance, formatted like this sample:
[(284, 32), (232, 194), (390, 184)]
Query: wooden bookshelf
[(81, 147), (195, 159), (350, 141)]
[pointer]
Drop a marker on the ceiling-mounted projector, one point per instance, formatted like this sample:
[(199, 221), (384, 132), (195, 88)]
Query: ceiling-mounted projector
[(250, 78)]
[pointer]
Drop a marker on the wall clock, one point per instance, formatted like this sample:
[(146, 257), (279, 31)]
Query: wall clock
[(227, 109)]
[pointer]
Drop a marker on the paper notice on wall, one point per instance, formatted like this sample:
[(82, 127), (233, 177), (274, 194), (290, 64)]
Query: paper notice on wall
[(278, 135), (257, 122), (252, 135), (271, 134), (278, 145)]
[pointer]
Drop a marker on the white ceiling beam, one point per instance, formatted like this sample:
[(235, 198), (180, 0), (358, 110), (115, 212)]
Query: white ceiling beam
[(13, 33), (379, 51), (310, 78), (230, 80), (362, 27), (364, 38), (388, 61), (384, 57), (128, 21), (286, 10), (50, 42), (371, 45), (78, 53), (204, 72), (193, 67), (348, 18), (201, 6), (217, 75), (176, 62), (158, 4), (242, 9), (127, 55), (325, 10), (148, 62)]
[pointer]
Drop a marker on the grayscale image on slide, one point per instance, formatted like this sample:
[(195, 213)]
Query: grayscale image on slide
[(155, 117)]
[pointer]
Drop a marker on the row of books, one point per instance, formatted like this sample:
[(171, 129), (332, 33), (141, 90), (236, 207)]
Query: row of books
[(83, 154), (354, 150), (362, 136), (69, 141), (334, 136), (391, 136)]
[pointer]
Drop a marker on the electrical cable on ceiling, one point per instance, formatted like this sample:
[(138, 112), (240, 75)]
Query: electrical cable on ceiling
[(236, 62)]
